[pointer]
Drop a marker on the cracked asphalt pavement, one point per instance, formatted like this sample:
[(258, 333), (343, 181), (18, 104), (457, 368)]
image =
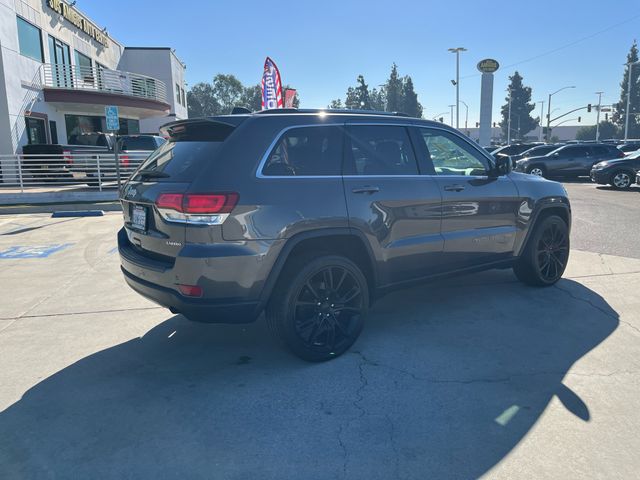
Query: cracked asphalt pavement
[(478, 376)]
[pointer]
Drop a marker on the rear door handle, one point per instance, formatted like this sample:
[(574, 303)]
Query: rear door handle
[(369, 189), (454, 188)]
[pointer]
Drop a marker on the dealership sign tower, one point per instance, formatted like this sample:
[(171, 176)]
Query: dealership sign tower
[(487, 66)]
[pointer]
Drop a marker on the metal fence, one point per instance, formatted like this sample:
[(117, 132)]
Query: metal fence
[(80, 172), (58, 75)]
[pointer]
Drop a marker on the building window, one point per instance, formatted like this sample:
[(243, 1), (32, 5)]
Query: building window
[(53, 129), (84, 68), (30, 40), (36, 130), (60, 58), (178, 94), (184, 98)]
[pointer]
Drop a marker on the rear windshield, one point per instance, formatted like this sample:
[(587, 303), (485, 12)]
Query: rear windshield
[(192, 145), (90, 139), (181, 161), (138, 143)]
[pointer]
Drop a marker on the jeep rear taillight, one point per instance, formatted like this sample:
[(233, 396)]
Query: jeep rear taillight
[(196, 208), (66, 155)]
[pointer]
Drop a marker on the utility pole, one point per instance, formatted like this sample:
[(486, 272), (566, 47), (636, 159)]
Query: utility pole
[(451, 107), (548, 136), (457, 52), (509, 120), (541, 102), (626, 112), (598, 115)]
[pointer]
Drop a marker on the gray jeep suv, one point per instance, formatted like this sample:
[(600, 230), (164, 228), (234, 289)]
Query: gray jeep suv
[(311, 215)]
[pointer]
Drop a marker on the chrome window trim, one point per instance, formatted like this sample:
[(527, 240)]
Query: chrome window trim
[(273, 144)]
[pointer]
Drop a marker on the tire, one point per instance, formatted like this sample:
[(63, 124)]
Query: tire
[(621, 180), (546, 253), (319, 306), (537, 170)]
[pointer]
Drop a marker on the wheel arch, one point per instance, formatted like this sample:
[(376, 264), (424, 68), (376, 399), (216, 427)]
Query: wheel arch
[(347, 242), (545, 207)]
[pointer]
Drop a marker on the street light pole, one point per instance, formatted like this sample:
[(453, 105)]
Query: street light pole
[(451, 107), (466, 117), (548, 136), (626, 112), (598, 116), (457, 52), (509, 121)]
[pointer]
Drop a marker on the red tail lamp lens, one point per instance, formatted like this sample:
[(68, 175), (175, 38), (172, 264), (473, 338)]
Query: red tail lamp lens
[(124, 159), (172, 201), (198, 203), (190, 290), (210, 203)]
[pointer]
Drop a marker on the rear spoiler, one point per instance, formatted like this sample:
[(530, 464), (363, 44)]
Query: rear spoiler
[(199, 129)]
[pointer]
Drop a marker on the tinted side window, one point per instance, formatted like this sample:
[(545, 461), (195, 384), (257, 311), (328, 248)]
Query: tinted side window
[(575, 152), (306, 151), (379, 150), (450, 155), (599, 150)]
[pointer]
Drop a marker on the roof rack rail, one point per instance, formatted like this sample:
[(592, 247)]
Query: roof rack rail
[(331, 110)]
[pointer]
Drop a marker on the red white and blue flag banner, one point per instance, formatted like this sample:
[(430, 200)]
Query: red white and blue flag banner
[(271, 86), (289, 96)]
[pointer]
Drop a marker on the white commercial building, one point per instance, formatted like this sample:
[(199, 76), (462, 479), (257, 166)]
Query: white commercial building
[(59, 69)]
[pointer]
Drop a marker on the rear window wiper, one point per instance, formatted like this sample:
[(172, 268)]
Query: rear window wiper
[(152, 174)]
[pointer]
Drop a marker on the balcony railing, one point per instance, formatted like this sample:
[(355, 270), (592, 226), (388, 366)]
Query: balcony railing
[(57, 75)]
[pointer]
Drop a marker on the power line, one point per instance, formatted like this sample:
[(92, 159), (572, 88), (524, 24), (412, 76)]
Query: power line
[(562, 47)]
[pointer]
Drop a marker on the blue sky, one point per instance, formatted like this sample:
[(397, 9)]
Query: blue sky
[(321, 46)]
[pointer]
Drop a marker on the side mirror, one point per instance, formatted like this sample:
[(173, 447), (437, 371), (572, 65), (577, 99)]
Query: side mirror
[(503, 165)]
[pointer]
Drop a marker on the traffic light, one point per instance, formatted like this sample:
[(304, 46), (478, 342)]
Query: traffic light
[(477, 124), (606, 117), (588, 108), (579, 119), (494, 124), (441, 119)]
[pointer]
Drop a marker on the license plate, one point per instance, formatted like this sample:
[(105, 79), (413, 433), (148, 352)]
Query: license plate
[(139, 217)]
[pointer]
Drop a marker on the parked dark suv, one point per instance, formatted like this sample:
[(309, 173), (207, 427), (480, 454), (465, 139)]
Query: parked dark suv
[(573, 160), (311, 215)]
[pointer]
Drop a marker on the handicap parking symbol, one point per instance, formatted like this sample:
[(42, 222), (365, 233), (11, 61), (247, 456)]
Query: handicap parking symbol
[(25, 251)]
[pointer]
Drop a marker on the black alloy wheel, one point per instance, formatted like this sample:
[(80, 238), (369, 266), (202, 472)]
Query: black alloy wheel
[(552, 251), (321, 311), (546, 254)]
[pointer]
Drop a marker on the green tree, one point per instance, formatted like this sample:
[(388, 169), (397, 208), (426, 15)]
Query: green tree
[(607, 130), (634, 106), (393, 91), (228, 91), (358, 97), (521, 107), (336, 104), (410, 103), (378, 99), (201, 101), (252, 98)]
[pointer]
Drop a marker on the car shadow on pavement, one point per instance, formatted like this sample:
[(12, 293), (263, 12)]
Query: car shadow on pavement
[(444, 382)]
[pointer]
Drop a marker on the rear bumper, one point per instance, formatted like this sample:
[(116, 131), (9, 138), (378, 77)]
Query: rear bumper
[(199, 310), (232, 276)]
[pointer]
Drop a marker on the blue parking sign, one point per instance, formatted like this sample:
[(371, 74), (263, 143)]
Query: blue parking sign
[(111, 112)]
